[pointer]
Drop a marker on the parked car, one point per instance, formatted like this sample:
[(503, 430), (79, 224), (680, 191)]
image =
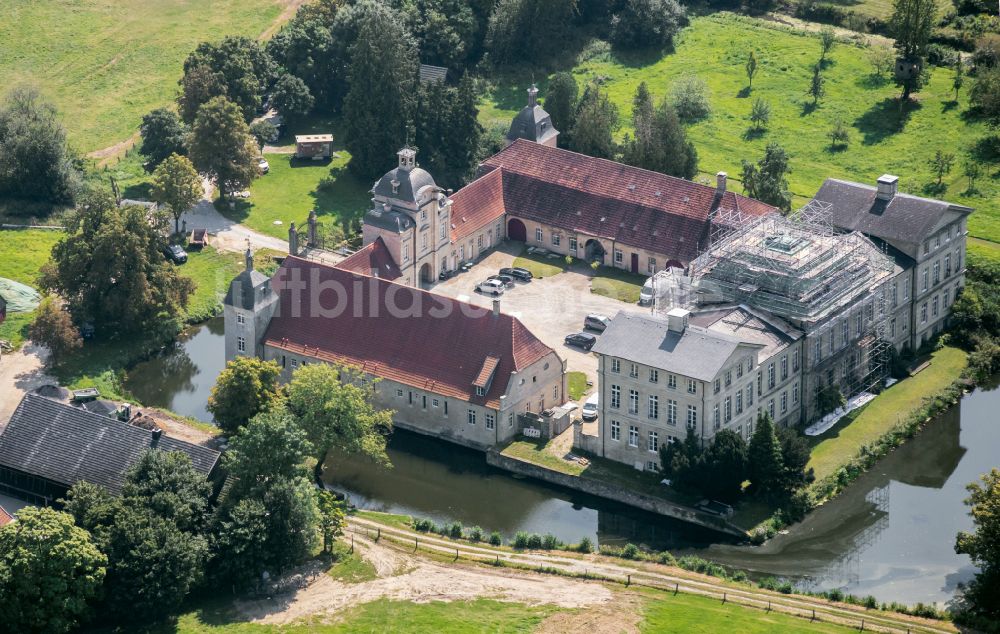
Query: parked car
[(517, 273), (507, 280), (596, 322), (583, 340), (447, 274), (589, 411), (646, 292), (263, 165), (490, 287), (175, 254), (715, 508)]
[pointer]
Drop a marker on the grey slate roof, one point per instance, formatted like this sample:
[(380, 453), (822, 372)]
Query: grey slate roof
[(697, 353), (410, 182), (904, 218), (392, 220), (241, 289), (528, 124), (67, 444), (435, 74)]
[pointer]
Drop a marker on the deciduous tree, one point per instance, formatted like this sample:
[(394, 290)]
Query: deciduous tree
[(221, 146), (166, 484), (163, 133), (35, 160), (646, 23), (528, 30), (725, 466), (49, 571), (245, 388), (270, 446), (242, 65), (911, 24), (751, 69), (766, 180), (53, 328), (199, 84), (985, 93), (177, 186), (760, 114), (983, 546), (689, 96), (307, 48), (292, 98)]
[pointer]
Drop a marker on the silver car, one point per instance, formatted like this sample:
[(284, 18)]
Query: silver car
[(491, 287)]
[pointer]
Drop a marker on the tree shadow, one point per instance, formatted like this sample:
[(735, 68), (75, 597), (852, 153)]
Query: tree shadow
[(836, 148), (872, 81), (986, 149), (640, 58), (948, 106), (808, 108), (934, 189), (752, 134), (743, 93), (825, 63), (138, 191), (884, 119)]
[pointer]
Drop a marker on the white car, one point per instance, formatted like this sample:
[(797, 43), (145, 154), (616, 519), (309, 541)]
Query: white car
[(646, 292), (589, 411), (263, 165), (491, 287)]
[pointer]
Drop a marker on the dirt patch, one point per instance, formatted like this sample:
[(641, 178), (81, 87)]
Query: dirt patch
[(291, 6), (105, 155), (424, 582), (21, 372), (621, 616)]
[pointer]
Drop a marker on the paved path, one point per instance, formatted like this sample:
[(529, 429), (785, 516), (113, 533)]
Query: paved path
[(227, 234)]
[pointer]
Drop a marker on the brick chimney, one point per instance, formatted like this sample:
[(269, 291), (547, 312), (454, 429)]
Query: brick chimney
[(888, 185), (720, 182), (496, 307)]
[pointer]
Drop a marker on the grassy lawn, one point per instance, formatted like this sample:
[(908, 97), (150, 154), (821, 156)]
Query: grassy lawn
[(539, 265), (875, 8), (105, 63), (294, 187), (22, 253), (576, 383), (211, 271), (882, 140), (538, 452), (687, 613), (392, 519), (617, 284), (350, 567), (384, 615), (893, 405)]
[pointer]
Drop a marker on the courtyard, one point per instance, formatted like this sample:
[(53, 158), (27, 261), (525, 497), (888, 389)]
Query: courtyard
[(551, 307)]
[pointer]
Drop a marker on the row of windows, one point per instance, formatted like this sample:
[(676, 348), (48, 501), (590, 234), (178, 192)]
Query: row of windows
[(935, 269), (619, 256), (654, 376), (652, 437), (947, 233)]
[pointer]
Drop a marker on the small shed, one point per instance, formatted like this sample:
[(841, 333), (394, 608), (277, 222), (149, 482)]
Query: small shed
[(313, 146)]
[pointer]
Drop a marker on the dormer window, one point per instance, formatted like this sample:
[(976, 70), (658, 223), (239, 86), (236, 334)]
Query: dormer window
[(395, 186), (480, 391)]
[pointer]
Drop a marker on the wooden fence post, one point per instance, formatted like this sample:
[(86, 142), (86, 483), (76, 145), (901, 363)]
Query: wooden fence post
[(352, 544), (379, 536), (628, 581), (862, 626), (416, 543), (456, 554), (677, 588), (814, 615), (723, 597), (768, 606)]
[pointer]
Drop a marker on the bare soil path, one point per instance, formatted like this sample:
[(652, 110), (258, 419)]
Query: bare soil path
[(21, 372)]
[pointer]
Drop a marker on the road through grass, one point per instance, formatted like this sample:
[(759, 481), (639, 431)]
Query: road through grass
[(105, 63)]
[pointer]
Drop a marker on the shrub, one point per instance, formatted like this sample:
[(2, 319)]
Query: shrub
[(630, 551), (740, 576), (585, 545), (535, 541), (520, 540), (54, 329), (455, 530), (689, 96), (424, 526), (476, 534), (870, 602), (646, 23), (835, 595), (549, 542), (496, 539), (666, 558)]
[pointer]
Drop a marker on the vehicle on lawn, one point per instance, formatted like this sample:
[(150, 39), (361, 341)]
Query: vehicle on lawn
[(263, 165), (198, 238), (589, 411), (583, 340), (175, 253), (596, 322), (490, 287), (517, 273)]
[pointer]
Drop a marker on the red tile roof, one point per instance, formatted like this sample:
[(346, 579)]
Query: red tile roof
[(373, 259), (477, 204), (610, 200), (5, 517), (397, 332), (486, 372)]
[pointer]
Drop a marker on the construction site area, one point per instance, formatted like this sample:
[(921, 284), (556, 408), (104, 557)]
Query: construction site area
[(830, 285)]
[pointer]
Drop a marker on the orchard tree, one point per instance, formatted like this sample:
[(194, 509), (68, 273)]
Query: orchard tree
[(222, 147), (983, 546), (958, 80), (245, 388), (379, 105), (335, 409), (177, 186), (827, 38), (911, 24), (163, 133), (971, 170), (985, 93), (49, 570), (110, 271), (560, 102), (53, 328), (766, 179), (840, 137), (35, 160), (646, 23), (816, 85), (760, 114), (941, 164), (292, 98), (596, 123)]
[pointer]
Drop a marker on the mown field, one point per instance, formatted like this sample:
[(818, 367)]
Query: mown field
[(22, 253), (715, 48), (105, 63)]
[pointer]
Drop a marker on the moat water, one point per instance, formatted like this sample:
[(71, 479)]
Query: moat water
[(891, 534)]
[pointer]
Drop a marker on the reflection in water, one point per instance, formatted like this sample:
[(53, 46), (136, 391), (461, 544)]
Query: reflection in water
[(444, 483), (181, 378), (891, 534)]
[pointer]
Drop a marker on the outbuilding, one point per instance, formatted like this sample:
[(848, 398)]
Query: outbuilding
[(313, 146)]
